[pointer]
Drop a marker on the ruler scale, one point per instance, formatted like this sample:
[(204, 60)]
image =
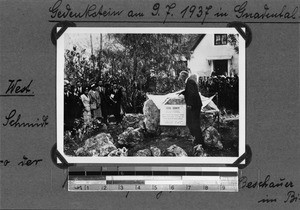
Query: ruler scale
[(212, 179)]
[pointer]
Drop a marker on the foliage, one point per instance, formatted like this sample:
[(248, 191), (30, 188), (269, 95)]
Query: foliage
[(166, 85), (132, 60), (233, 40), (80, 132)]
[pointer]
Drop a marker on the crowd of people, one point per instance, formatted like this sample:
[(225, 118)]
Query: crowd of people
[(227, 89), (98, 101), (94, 102)]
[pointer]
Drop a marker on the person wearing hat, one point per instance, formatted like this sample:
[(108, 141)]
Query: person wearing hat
[(95, 102), (194, 104), (106, 102), (183, 76), (117, 99), (86, 103), (67, 107)]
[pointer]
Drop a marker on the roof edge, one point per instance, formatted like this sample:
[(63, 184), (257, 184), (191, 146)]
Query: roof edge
[(197, 42)]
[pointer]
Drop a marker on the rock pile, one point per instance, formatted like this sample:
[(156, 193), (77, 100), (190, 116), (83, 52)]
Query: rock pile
[(151, 113), (174, 150), (212, 138), (153, 151), (131, 137), (119, 152), (99, 145), (133, 120), (152, 120), (136, 137), (143, 152), (199, 151)]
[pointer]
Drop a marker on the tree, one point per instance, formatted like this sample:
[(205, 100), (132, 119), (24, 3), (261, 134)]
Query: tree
[(233, 40), (131, 60)]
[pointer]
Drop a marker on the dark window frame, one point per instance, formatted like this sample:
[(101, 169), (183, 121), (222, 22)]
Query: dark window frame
[(220, 39)]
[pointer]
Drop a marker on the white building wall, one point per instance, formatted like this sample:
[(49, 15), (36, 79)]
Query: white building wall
[(199, 64), (235, 62)]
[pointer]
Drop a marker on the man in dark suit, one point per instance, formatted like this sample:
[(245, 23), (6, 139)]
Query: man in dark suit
[(117, 99), (193, 104), (106, 102)]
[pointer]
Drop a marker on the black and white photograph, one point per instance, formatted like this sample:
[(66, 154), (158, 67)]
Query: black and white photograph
[(151, 95)]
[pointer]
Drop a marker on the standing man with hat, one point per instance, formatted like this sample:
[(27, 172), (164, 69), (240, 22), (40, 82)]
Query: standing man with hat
[(194, 104), (95, 102)]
